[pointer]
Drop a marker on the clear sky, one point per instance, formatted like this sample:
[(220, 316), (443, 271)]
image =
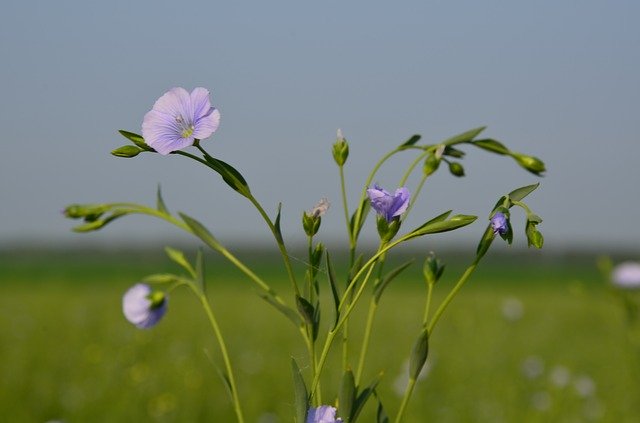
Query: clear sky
[(557, 79)]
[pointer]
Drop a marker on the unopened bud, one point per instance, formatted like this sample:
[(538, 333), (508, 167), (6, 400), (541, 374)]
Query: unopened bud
[(431, 164), (456, 169), (340, 149), (127, 151), (532, 164)]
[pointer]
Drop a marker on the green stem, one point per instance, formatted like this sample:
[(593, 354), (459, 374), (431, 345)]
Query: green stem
[(412, 166), (427, 306), (373, 305), (452, 294), (345, 206), (267, 219), (223, 350), (405, 399)]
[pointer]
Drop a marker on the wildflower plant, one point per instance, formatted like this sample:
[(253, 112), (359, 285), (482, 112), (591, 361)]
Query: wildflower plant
[(176, 126)]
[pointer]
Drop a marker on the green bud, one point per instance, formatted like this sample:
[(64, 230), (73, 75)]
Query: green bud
[(433, 269), (534, 237), (311, 223), (431, 164), (90, 226), (127, 151), (456, 169), (340, 149), (387, 230), (90, 212), (532, 164), (419, 355)]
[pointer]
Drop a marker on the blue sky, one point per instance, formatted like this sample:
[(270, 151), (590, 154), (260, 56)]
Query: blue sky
[(559, 80)]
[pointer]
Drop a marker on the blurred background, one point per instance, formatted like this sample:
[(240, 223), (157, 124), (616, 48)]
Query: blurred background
[(556, 80)]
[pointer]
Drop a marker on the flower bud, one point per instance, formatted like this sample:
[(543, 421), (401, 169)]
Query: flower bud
[(88, 211), (433, 269), (456, 169), (127, 151), (532, 164), (431, 164), (310, 223), (340, 149)]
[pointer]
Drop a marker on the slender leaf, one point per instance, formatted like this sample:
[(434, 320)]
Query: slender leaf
[(276, 224), (347, 395), (465, 136), (200, 280), (381, 415), (334, 287), (178, 257), (230, 175), (411, 141), (492, 146), (159, 278), (419, 355), (286, 311), (520, 193), (201, 232), (306, 310), (456, 222), (380, 287), (300, 392), (363, 397), (136, 139), (160, 205)]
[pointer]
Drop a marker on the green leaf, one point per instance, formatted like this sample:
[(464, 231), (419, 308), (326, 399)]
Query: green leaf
[(411, 141), (534, 218), (419, 355), (362, 398), (307, 311), (453, 152), (160, 202), (276, 224), (334, 287), (492, 146), (437, 225), (178, 257), (201, 232), (300, 392), (230, 175), (347, 395), (136, 139), (465, 136), (360, 214), (379, 288), (520, 193), (286, 311), (381, 415)]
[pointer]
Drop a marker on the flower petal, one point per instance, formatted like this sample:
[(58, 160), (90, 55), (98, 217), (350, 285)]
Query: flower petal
[(175, 102), (161, 131), (207, 125)]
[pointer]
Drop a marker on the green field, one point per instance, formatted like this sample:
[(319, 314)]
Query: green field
[(528, 340)]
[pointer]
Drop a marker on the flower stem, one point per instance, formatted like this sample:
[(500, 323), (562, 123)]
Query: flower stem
[(427, 305), (223, 349), (405, 399), (373, 305), (452, 294), (345, 207)]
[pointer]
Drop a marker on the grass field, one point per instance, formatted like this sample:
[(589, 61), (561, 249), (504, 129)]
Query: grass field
[(528, 340)]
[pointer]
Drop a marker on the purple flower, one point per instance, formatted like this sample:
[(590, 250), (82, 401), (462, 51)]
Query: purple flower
[(499, 223), (143, 307), (323, 414), (387, 205), (178, 119), (626, 275)]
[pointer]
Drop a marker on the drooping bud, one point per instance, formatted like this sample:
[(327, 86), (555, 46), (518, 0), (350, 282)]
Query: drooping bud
[(532, 164), (456, 169), (340, 149)]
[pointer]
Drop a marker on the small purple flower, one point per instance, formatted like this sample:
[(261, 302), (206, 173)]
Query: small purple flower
[(499, 223), (323, 414), (142, 306), (626, 275), (178, 119), (387, 205)]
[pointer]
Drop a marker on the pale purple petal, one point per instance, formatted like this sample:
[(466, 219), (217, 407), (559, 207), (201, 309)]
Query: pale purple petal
[(322, 414), (178, 118), (626, 275), (388, 205), (207, 125), (138, 308), (499, 223)]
